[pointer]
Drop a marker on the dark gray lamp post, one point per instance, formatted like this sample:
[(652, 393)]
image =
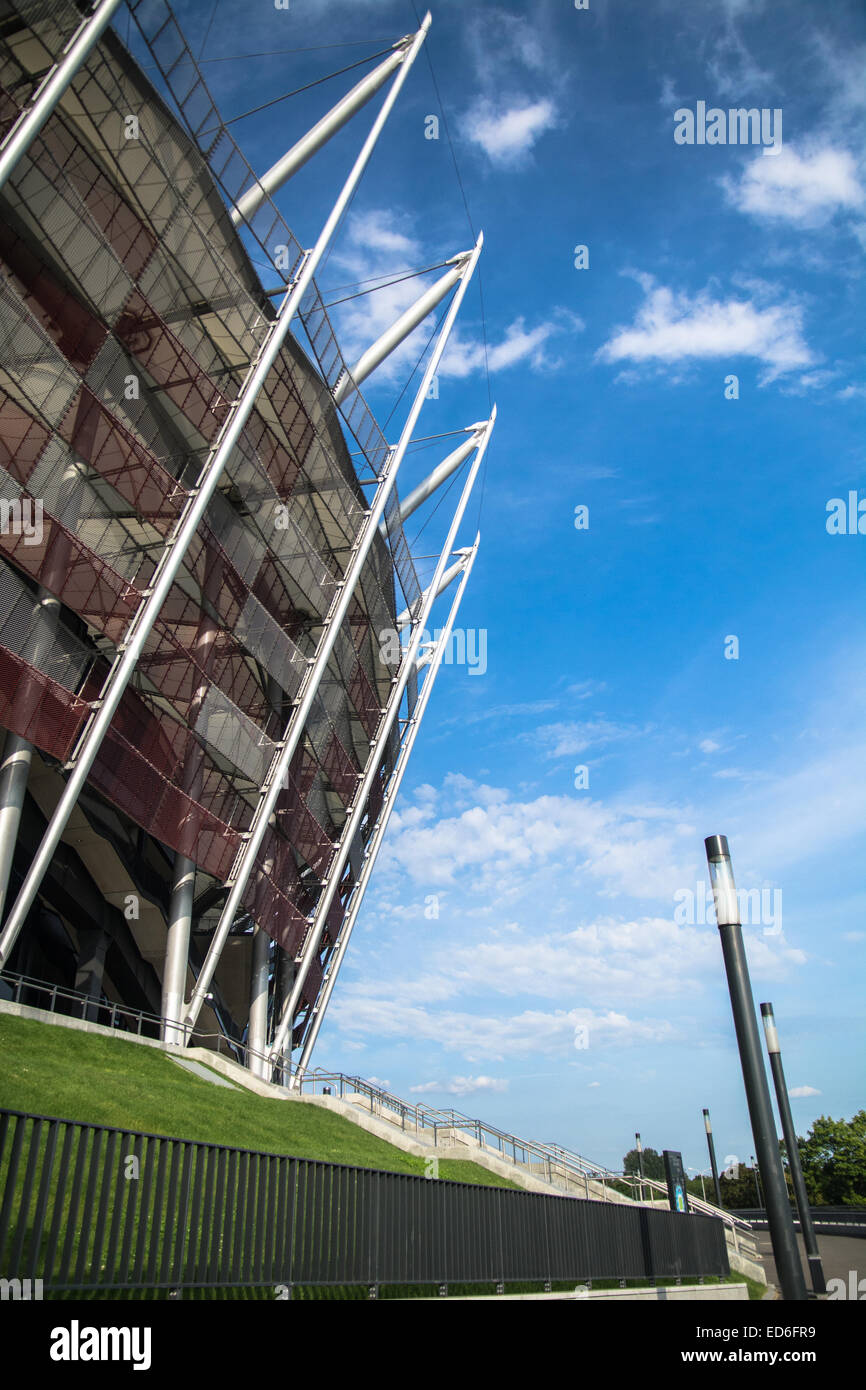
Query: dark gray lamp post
[(816, 1269), (779, 1217), (712, 1148), (757, 1183), (639, 1161)]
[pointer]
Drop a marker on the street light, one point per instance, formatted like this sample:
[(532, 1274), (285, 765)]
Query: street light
[(710, 1145), (779, 1217), (757, 1184), (703, 1187), (639, 1161), (813, 1255)]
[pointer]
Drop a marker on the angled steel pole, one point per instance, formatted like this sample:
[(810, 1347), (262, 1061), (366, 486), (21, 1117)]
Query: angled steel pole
[(779, 1217), (810, 1240), (713, 1165), (185, 529), (441, 473), (405, 618), (309, 144), (294, 732), (375, 843), (31, 121), (335, 872), (401, 328)]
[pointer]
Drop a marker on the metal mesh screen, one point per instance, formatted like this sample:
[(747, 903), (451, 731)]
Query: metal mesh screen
[(129, 315)]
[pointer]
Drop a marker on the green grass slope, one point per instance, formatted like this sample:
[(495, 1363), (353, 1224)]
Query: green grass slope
[(46, 1069)]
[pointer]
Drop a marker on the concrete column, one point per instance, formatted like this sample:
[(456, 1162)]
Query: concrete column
[(90, 967), (14, 772), (177, 949), (284, 980), (257, 1035), (183, 888)]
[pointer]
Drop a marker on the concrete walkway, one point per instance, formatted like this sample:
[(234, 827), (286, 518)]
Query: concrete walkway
[(840, 1255)]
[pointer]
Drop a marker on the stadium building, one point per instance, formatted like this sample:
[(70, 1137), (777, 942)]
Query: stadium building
[(201, 546)]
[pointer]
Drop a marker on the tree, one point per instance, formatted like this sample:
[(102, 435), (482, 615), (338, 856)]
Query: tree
[(833, 1156), (739, 1191), (653, 1164)]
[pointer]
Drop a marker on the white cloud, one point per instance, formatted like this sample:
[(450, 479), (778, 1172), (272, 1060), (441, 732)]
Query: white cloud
[(845, 90), (734, 8), (512, 837), (809, 381), (672, 327), (378, 230), (413, 815), (711, 30), (707, 745), (519, 45), (499, 713), (520, 344), (477, 1036), (806, 188), (609, 958), (379, 244), (799, 1092), (819, 806), (463, 1085), (524, 957), (583, 690), (507, 136), (568, 739), (668, 98), (732, 67)]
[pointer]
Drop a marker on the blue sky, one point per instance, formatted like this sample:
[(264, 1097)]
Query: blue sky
[(557, 916)]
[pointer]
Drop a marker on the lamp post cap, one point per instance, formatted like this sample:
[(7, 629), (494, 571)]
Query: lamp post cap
[(717, 847), (767, 1010)]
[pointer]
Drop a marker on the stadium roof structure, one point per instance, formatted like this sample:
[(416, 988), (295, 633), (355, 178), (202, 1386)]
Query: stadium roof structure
[(205, 734)]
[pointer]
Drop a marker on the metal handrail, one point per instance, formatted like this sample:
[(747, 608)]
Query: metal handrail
[(698, 1203), (123, 1017), (549, 1155), (424, 1117)]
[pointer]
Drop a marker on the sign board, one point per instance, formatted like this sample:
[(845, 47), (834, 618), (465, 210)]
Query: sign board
[(674, 1172)]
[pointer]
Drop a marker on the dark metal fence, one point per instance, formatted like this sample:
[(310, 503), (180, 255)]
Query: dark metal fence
[(843, 1221), (92, 1208)]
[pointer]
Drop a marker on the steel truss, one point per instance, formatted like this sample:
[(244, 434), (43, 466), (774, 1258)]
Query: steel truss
[(243, 867), (316, 1014), (312, 945)]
